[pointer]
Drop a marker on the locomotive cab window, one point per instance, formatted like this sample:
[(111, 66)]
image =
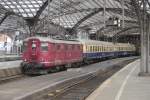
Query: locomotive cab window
[(44, 46)]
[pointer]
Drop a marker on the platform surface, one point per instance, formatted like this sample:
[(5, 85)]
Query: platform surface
[(124, 85), (9, 64), (4, 58), (21, 88)]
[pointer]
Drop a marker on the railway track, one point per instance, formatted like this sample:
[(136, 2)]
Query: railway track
[(81, 89), (11, 78), (21, 76)]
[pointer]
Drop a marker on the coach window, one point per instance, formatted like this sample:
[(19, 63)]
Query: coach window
[(104, 48), (96, 48), (44, 46), (90, 48), (100, 48), (93, 48), (87, 48)]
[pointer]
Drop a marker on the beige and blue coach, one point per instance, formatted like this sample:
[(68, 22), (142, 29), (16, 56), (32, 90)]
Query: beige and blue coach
[(93, 49)]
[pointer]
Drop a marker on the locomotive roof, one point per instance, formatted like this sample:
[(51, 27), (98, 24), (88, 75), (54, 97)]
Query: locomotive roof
[(46, 39)]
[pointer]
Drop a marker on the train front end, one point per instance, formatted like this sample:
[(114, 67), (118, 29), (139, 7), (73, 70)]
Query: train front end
[(35, 55)]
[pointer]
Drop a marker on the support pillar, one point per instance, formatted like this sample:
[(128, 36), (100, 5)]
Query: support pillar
[(145, 44)]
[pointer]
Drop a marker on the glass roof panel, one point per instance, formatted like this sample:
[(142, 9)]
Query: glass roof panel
[(70, 19), (67, 13), (23, 7)]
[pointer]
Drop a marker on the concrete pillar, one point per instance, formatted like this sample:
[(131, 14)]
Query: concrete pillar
[(145, 44)]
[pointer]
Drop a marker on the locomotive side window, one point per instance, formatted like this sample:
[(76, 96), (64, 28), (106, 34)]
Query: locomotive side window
[(66, 47), (79, 48), (73, 47), (58, 47), (44, 46)]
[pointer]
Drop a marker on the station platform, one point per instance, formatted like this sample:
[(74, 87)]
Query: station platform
[(29, 88), (9, 68), (124, 85), (4, 58)]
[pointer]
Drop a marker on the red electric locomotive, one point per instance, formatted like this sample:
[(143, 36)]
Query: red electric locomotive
[(42, 54)]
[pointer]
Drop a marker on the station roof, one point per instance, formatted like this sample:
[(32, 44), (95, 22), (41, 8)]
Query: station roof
[(70, 14)]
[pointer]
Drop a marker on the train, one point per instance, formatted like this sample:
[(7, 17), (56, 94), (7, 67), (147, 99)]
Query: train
[(42, 55)]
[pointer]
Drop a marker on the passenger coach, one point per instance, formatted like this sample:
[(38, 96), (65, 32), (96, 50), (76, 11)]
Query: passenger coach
[(93, 49)]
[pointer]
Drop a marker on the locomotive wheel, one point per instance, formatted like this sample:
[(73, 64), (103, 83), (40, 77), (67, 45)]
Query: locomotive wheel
[(23, 69), (68, 65), (63, 68), (43, 72), (76, 65)]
